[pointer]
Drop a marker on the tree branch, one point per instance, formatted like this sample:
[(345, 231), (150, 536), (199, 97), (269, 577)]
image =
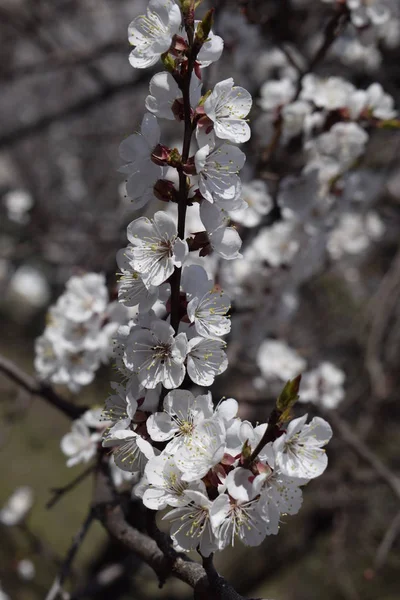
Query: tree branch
[(37, 388)]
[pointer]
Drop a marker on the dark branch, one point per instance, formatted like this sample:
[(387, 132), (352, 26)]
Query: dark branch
[(58, 493), (37, 388)]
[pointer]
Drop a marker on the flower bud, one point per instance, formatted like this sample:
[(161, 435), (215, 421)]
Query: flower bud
[(165, 190), (204, 28)]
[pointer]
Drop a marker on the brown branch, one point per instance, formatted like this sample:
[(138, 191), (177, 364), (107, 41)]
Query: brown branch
[(387, 542), (38, 388), (110, 513)]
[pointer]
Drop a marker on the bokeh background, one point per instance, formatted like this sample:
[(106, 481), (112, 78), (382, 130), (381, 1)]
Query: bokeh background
[(69, 96)]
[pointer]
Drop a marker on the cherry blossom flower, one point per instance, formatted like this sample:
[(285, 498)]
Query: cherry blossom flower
[(182, 413), (191, 526), (151, 34), (205, 450), (131, 290), (142, 172), (218, 170), (259, 203), (165, 485), (225, 241), (332, 93), (323, 385), (208, 313), (276, 93), (156, 355), (237, 513), (85, 296), (121, 406), (165, 92), (227, 107), (299, 452), (156, 249), (205, 360), (276, 359), (130, 450), (80, 444), (17, 507)]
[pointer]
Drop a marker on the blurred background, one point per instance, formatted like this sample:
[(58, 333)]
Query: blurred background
[(69, 96)]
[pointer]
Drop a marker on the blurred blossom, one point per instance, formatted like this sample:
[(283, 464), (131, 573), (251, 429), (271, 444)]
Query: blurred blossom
[(3, 595), (354, 233), (323, 386), (28, 287), (277, 360), (26, 569), (17, 506), (18, 203)]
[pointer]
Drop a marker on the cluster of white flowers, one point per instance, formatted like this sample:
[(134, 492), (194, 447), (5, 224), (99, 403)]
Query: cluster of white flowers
[(79, 333), (220, 477), (366, 12)]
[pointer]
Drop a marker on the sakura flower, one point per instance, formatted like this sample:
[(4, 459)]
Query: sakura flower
[(130, 450), (354, 233), (225, 241), (227, 107), (85, 295), (294, 116), (343, 143), (276, 93), (205, 360), (191, 527), (365, 12), (156, 248), (208, 311), (218, 170), (132, 291), (278, 244), (276, 359), (332, 93), (165, 485), (80, 444), (165, 97), (151, 34), (299, 452), (205, 450), (259, 203), (156, 355), (142, 172), (17, 507), (121, 406), (182, 413), (323, 385), (237, 513), (211, 50), (379, 104)]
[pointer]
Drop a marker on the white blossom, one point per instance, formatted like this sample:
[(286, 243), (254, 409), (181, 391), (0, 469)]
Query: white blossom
[(156, 249), (151, 34), (182, 413), (218, 169), (323, 385), (191, 527), (142, 172), (227, 107), (277, 245), (299, 452), (259, 203), (131, 290), (156, 355), (165, 485), (165, 92), (276, 359), (276, 93), (17, 507), (225, 241), (204, 450), (205, 360), (131, 451), (332, 93), (80, 445), (354, 233)]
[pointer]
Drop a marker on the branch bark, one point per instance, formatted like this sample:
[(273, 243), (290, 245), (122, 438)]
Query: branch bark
[(38, 388)]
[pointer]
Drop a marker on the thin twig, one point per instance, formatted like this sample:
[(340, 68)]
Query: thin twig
[(58, 493), (38, 388), (56, 588), (387, 542), (364, 452)]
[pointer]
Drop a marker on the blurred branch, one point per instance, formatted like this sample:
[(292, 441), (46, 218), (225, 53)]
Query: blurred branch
[(58, 493), (387, 542), (56, 588), (362, 450), (77, 108), (37, 388)]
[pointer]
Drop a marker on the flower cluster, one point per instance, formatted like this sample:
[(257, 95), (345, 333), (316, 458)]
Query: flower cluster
[(220, 477), (79, 333)]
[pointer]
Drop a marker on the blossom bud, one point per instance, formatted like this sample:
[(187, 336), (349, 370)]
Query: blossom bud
[(168, 62), (178, 109), (203, 29), (288, 396), (165, 190), (160, 155)]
